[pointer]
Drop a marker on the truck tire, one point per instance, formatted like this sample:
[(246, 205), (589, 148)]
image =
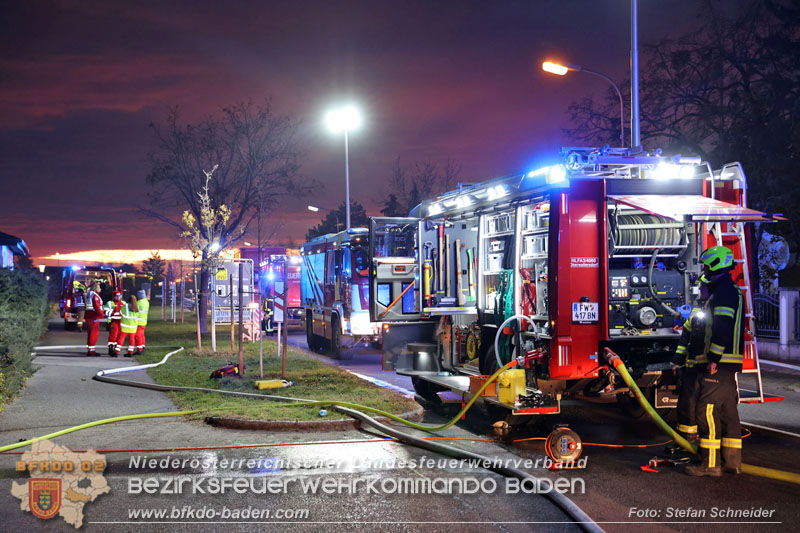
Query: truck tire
[(427, 390), (336, 342), (311, 339)]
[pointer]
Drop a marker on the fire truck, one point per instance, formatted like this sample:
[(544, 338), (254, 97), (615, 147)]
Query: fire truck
[(554, 266), (270, 271), (110, 281), (335, 292)]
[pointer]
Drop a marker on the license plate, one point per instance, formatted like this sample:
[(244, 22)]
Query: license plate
[(585, 312)]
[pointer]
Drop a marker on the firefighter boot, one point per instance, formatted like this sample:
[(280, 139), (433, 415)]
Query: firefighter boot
[(732, 459), (703, 470)]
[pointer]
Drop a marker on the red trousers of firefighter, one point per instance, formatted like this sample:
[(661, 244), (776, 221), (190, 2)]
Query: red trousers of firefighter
[(121, 342), (92, 332), (114, 333), (140, 338)]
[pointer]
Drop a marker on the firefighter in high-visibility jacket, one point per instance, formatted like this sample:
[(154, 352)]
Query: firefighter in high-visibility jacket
[(717, 414), (128, 326), (144, 309), (113, 310), (94, 313), (691, 356)]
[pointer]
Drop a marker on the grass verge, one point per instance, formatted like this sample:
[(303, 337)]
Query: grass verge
[(315, 379)]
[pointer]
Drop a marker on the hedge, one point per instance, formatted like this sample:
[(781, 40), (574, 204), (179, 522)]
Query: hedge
[(23, 319)]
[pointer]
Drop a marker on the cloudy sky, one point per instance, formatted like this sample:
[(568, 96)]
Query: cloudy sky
[(80, 82)]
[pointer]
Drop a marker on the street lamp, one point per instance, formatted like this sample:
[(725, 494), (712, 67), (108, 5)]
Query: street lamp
[(344, 119), (314, 209), (561, 70)]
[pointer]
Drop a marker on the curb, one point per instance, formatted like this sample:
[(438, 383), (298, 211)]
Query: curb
[(301, 425)]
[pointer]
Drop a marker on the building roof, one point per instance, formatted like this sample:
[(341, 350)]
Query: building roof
[(15, 244)]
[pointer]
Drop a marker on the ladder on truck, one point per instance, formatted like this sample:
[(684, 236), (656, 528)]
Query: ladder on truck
[(732, 235)]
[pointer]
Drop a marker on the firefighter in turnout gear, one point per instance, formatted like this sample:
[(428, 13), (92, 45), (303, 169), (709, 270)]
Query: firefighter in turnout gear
[(717, 415), (128, 326), (144, 309), (691, 356), (113, 310), (94, 313)]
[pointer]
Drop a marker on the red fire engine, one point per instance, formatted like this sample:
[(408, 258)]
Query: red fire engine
[(600, 250)]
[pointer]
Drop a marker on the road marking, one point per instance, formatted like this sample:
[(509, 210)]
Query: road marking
[(782, 365), (381, 383), (767, 428)]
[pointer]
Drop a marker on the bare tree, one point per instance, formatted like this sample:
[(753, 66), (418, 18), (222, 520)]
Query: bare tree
[(729, 90), (411, 184), (258, 163)]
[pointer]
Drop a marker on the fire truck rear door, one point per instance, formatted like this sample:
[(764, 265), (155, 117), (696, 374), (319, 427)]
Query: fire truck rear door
[(394, 287)]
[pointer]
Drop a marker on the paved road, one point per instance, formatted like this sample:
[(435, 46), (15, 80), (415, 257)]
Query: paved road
[(61, 393)]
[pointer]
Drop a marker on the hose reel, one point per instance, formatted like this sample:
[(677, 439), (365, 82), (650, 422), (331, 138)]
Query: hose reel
[(638, 235)]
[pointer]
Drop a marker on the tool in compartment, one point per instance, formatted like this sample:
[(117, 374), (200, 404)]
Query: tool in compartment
[(459, 278)]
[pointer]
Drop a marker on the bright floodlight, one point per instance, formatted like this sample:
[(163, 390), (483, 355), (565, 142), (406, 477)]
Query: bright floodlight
[(214, 246), (554, 68), (313, 208), (344, 119)]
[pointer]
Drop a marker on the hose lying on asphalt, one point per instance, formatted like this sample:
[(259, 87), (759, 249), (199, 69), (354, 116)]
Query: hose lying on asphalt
[(562, 502), (619, 366)]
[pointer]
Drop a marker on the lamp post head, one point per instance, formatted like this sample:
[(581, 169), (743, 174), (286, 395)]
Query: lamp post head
[(344, 119), (559, 68), (313, 208)]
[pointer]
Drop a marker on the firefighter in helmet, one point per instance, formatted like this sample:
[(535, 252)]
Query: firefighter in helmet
[(78, 297), (691, 357), (717, 415)]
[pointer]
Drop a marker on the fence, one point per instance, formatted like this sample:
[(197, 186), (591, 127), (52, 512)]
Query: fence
[(767, 315), (797, 320)]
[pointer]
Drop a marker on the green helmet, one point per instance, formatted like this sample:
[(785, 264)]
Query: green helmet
[(717, 258)]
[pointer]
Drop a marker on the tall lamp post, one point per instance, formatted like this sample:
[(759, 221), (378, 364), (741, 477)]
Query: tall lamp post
[(343, 120), (561, 70), (314, 209)]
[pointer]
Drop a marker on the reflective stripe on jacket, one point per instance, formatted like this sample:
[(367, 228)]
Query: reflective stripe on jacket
[(144, 309), (728, 323)]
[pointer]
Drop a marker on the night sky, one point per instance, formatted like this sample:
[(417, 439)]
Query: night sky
[(81, 81)]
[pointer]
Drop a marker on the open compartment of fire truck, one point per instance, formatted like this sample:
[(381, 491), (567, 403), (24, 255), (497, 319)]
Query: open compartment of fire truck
[(598, 251)]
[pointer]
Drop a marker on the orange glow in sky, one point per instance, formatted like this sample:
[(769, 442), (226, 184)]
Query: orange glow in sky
[(118, 257)]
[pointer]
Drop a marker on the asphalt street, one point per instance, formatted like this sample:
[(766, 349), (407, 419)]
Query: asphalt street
[(616, 492)]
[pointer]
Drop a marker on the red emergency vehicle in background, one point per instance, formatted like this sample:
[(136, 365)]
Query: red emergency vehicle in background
[(109, 279), (270, 270), (598, 251)]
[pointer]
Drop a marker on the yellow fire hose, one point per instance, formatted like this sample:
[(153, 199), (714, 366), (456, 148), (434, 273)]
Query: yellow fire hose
[(619, 366)]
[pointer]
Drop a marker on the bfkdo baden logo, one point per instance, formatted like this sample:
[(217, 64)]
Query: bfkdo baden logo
[(44, 497), (61, 482)]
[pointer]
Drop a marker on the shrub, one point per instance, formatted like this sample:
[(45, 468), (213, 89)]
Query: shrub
[(23, 319)]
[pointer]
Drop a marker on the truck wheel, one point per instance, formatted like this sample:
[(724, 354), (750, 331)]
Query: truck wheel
[(426, 390), (336, 342), (376, 345), (311, 339), (69, 326), (631, 406)]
